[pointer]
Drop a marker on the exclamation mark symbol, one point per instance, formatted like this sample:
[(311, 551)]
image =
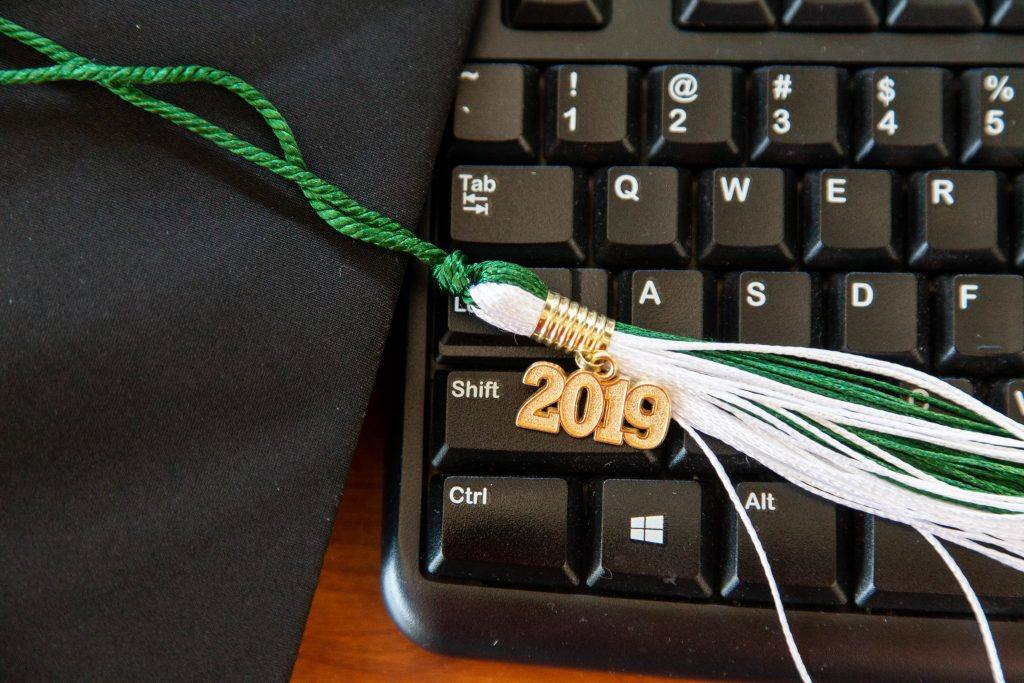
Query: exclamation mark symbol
[(574, 79)]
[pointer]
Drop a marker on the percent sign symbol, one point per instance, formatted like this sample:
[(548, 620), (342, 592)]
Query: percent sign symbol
[(999, 88)]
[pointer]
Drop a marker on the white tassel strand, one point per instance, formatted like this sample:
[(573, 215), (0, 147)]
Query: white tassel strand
[(773, 423)]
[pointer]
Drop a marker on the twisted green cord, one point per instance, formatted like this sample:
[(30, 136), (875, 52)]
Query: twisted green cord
[(340, 211)]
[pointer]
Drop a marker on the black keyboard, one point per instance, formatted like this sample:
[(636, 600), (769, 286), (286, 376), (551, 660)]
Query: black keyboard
[(838, 173)]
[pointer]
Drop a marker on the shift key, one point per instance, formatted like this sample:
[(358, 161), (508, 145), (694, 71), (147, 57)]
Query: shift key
[(511, 212), (480, 433)]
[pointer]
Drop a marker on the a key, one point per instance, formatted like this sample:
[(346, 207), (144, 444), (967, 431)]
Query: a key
[(516, 211), (592, 114), (850, 219), (798, 532), (557, 14), (1007, 15), (772, 308), (981, 324), (904, 117), (495, 115), (846, 15), (652, 538), (480, 432), (993, 117), (673, 301), (1008, 398), (957, 221), (799, 115), (745, 218), (901, 570), (936, 15), (642, 216), (729, 14), (696, 115), (503, 529), (881, 314), (469, 337)]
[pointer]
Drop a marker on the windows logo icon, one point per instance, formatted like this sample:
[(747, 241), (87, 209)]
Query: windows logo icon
[(647, 529)]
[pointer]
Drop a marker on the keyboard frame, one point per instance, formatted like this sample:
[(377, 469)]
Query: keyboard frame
[(583, 628)]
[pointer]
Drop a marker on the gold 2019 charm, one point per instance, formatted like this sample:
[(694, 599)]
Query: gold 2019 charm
[(595, 401)]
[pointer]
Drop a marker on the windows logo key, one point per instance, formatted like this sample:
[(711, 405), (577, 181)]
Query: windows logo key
[(647, 529)]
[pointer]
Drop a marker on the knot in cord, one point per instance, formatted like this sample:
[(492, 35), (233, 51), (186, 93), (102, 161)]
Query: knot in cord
[(453, 275)]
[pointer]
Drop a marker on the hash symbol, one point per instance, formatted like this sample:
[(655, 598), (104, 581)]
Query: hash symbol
[(782, 86)]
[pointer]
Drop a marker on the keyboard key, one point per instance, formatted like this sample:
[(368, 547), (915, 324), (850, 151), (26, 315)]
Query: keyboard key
[(1007, 15), (495, 116), (981, 324), (957, 221), (936, 15), (688, 458), (725, 14), (881, 314), (1008, 398), (798, 532), (1018, 219), (901, 570), (696, 115), (463, 326), (503, 529), (513, 211), (745, 218), (673, 301), (845, 15), (904, 117), (799, 115), (480, 432), (558, 14), (772, 308), (469, 337), (850, 219), (592, 114), (652, 538), (642, 216), (920, 396), (993, 113)]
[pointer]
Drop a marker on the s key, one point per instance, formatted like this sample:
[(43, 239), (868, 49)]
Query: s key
[(981, 324), (592, 114), (772, 308), (800, 115)]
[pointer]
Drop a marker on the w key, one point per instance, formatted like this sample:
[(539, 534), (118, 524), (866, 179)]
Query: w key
[(801, 115)]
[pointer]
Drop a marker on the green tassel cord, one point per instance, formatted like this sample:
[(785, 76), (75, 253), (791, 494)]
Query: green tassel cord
[(455, 276)]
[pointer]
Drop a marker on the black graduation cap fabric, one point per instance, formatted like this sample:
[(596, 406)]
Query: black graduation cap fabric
[(186, 351)]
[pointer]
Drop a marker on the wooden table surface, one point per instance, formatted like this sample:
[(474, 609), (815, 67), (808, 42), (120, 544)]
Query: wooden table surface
[(349, 635)]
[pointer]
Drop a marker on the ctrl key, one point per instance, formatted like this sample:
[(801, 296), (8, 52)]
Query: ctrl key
[(506, 529)]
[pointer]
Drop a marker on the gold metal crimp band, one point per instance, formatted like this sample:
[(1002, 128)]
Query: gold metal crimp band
[(572, 327)]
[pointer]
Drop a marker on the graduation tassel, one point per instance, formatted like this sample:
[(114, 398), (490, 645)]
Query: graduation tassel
[(853, 430)]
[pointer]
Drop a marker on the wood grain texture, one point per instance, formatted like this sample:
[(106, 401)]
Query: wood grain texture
[(349, 635)]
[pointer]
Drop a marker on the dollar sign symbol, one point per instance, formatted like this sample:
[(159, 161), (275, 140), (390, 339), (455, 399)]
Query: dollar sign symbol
[(886, 90)]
